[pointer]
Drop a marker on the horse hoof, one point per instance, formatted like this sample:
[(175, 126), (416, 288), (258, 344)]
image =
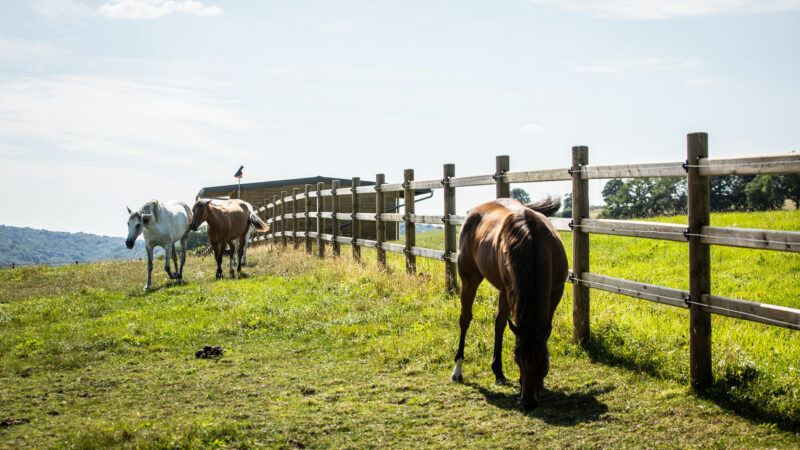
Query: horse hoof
[(457, 378), (146, 287), (501, 382)]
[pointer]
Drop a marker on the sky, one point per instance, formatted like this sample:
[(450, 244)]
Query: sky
[(109, 103)]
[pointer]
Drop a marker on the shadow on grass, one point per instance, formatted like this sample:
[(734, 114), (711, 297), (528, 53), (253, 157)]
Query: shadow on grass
[(743, 380), (555, 407)]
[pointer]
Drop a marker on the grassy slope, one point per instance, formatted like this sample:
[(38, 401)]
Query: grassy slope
[(330, 353)]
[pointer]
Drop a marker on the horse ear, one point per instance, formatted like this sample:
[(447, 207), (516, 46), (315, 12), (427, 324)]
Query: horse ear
[(513, 328), (129, 210), (146, 219)]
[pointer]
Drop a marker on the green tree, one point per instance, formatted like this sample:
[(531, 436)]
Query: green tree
[(521, 195), (764, 193), (567, 212), (644, 197), (197, 239), (728, 193)]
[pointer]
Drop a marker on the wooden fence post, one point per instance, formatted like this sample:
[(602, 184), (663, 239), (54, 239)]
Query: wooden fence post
[(411, 230), (275, 227), (451, 280), (380, 179), (355, 224), (283, 218), (502, 189), (335, 219), (320, 223), (306, 221), (580, 246), (699, 263), (295, 241)]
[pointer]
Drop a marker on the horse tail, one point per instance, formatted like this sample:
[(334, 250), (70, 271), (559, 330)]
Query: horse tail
[(256, 222), (548, 206), (520, 243)]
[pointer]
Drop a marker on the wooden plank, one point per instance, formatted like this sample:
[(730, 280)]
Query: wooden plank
[(478, 180), (786, 241), (533, 176), (560, 223), (355, 201), (787, 163), (428, 253), (365, 216), (283, 222), (658, 294), (344, 240), (650, 230), (366, 243), (380, 226), (779, 316), (421, 218), (336, 249), (394, 248), (502, 186), (391, 217), (396, 187), (411, 229), (325, 215), (450, 244), (427, 184), (307, 217), (643, 170), (312, 234), (456, 219), (580, 246), (312, 214), (342, 191), (327, 237), (325, 193), (320, 222), (365, 190)]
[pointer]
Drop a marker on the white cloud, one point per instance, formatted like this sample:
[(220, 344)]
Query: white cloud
[(659, 64), (532, 128), (116, 118), (666, 9), (20, 50), (62, 9), (153, 9)]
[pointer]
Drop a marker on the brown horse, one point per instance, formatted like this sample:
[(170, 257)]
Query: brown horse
[(228, 222), (519, 251)]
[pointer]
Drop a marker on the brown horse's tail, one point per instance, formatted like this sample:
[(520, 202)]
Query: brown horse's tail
[(256, 222), (548, 206), (521, 242)]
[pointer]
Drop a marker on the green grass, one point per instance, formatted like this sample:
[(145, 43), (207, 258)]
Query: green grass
[(330, 353)]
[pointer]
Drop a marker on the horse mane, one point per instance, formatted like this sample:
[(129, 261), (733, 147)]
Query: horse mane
[(151, 207)]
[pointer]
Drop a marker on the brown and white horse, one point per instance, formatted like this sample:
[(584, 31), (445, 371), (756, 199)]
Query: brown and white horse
[(228, 222), (519, 251)]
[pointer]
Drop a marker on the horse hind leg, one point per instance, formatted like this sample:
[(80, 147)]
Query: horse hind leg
[(240, 252), (468, 289), (184, 241), (503, 311), (230, 261), (169, 250), (175, 259)]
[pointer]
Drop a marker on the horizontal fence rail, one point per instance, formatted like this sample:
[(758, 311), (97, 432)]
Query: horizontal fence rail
[(698, 234)]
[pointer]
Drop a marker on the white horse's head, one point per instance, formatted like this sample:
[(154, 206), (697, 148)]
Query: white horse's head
[(136, 223)]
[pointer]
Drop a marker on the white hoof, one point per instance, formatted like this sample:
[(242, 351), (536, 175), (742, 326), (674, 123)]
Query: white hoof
[(457, 375)]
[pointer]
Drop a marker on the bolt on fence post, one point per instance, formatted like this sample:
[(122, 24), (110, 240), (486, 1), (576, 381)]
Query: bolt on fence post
[(699, 262), (335, 219), (411, 231), (275, 225), (502, 188), (306, 221), (356, 224), (580, 246), (451, 280), (295, 242), (380, 227), (320, 242), (283, 218)]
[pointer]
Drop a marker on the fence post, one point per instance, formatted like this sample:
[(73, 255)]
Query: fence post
[(380, 179), (502, 189), (320, 242), (306, 221), (450, 249), (411, 230), (699, 262), (295, 242), (580, 246), (283, 218), (335, 219), (355, 224), (275, 220)]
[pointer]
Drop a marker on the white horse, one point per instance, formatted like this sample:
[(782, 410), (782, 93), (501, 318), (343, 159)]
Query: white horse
[(162, 224)]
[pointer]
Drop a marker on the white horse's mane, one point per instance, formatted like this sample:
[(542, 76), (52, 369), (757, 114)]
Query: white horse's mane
[(152, 207)]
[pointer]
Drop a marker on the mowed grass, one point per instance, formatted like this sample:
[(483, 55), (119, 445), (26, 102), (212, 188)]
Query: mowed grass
[(332, 353)]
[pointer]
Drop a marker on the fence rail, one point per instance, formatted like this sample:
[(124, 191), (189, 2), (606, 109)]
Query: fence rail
[(698, 233)]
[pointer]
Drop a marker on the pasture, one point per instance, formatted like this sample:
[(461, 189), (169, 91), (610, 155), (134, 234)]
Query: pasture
[(329, 353)]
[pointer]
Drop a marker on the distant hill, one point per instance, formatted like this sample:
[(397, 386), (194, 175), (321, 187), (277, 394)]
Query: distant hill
[(30, 246)]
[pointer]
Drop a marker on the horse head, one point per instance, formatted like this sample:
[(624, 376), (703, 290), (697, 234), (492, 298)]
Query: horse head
[(533, 359), (199, 213), (137, 221)]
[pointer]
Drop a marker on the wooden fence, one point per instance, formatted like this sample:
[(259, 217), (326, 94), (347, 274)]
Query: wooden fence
[(698, 233)]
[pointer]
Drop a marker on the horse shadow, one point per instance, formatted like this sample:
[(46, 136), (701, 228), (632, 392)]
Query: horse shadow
[(555, 407)]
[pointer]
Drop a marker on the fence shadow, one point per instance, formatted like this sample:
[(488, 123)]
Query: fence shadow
[(555, 407), (740, 402)]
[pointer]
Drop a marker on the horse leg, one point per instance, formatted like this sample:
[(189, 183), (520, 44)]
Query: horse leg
[(232, 245), (175, 259), (500, 320), (240, 252), (169, 250), (219, 248), (246, 241), (468, 289), (149, 250), (184, 241)]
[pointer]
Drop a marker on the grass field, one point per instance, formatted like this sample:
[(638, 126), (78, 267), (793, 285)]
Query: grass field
[(330, 353)]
